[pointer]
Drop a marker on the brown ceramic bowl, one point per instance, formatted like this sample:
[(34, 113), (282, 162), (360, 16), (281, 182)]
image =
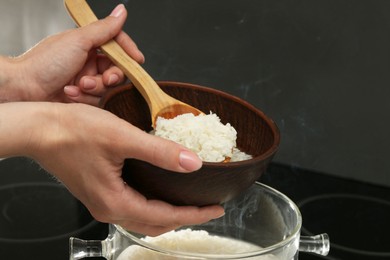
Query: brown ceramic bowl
[(214, 183)]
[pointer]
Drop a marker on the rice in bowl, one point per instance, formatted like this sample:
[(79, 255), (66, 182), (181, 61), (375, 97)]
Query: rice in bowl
[(204, 134)]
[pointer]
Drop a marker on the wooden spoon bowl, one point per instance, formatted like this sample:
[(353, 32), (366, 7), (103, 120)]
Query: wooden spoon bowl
[(214, 183)]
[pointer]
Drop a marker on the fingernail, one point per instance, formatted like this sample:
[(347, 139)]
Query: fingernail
[(113, 79), (89, 83), (72, 91), (220, 216), (189, 161), (142, 57), (118, 10)]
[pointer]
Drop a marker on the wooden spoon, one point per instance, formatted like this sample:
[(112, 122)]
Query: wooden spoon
[(160, 104)]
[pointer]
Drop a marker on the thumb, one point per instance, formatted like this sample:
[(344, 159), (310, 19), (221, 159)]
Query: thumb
[(102, 31), (164, 153)]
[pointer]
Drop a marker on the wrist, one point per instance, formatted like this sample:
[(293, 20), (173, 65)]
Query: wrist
[(11, 78), (24, 127)]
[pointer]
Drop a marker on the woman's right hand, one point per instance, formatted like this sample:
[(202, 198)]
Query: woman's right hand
[(85, 148)]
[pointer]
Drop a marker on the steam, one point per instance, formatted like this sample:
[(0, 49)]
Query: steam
[(254, 216)]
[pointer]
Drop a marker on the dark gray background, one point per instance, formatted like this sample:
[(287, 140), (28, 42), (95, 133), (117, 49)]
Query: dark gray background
[(319, 68)]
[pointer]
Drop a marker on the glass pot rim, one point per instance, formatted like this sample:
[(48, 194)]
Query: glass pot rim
[(294, 236)]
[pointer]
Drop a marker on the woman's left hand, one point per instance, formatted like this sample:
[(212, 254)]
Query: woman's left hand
[(68, 67)]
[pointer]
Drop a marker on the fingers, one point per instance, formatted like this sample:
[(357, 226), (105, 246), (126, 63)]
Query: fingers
[(98, 72), (74, 94), (154, 217), (98, 84), (91, 88), (141, 228), (175, 216), (130, 47), (113, 76), (163, 222)]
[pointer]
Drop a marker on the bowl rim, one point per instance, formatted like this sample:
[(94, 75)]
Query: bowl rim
[(274, 128), (288, 240)]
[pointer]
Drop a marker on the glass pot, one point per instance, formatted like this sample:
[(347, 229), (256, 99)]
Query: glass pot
[(263, 223)]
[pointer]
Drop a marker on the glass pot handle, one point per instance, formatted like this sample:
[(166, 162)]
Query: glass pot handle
[(79, 248), (318, 244)]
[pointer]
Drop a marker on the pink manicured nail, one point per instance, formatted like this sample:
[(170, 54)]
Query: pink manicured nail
[(72, 91), (220, 216), (89, 83), (118, 10), (113, 79), (189, 161), (142, 57)]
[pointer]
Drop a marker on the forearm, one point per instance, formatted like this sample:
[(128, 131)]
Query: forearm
[(11, 78), (21, 127)]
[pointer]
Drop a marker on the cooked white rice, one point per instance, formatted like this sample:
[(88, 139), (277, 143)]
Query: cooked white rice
[(204, 134), (189, 241)]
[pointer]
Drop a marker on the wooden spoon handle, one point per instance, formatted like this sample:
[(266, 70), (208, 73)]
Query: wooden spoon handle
[(83, 15)]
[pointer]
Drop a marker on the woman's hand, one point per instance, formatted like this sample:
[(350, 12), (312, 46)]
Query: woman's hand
[(68, 67), (88, 155), (85, 148)]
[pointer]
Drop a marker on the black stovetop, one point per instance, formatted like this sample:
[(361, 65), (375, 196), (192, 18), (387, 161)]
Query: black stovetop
[(38, 214), (354, 214)]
